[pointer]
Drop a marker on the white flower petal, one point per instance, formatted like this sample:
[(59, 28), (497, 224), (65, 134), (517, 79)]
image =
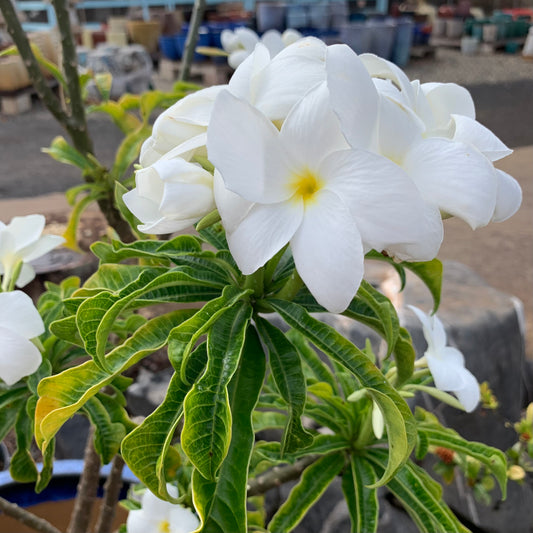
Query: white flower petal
[(42, 246), (229, 41), (263, 232), (237, 58), (27, 274), (165, 225), (383, 201), (154, 507), (145, 209), (183, 520), (247, 38), (138, 522), (438, 334), (254, 163), (509, 197), (187, 200), (470, 131), (429, 242), (18, 356), (427, 323), (232, 208), (149, 155), (446, 99), (289, 75), (469, 395), (328, 252), (447, 377), (245, 79), (353, 95), (272, 40), (399, 128), (26, 230), (312, 114), (19, 314), (290, 36), (455, 177)]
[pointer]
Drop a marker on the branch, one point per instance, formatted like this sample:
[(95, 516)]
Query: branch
[(27, 518), (192, 38), (77, 124), (279, 475), (112, 488), (22, 43), (87, 487)]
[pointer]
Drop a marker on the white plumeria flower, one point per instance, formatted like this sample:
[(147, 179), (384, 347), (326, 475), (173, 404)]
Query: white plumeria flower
[(239, 44), (274, 84), (452, 173), (330, 202), (19, 322), (447, 364), (378, 422), (21, 241), (159, 516), (173, 193), (186, 119)]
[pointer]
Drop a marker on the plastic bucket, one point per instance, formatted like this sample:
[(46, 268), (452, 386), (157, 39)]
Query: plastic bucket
[(270, 16), (382, 38), (469, 45), (357, 35), (167, 45), (402, 42)]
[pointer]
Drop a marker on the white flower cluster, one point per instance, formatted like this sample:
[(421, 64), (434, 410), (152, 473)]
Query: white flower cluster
[(21, 241), (240, 43), (333, 153)]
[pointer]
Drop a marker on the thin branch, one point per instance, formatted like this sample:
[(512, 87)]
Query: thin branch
[(279, 475), (112, 488), (26, 517), (87, 487), (192, 38), (22, 43), (77, 123)]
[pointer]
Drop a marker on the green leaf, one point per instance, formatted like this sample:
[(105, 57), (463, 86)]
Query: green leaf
[(129, 151), (103, 81), (70, 233), (96, 315), (108, 434), (62, 151), (268, 420), (437, 435), (9, 413), (146, 447), (430, 272), (314, 481), (207, 417), (362, 501), (320, 370), (420, 494), (62, 395), (226, 499), (150, 100), (401, 430), (127, 122), (215, 236), (22, 467), (45, 475), (287, 372), (185, 336), (117, 251), (384, 310)]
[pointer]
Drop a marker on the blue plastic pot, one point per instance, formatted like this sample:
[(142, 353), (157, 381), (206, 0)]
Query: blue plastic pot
[(167, 45)]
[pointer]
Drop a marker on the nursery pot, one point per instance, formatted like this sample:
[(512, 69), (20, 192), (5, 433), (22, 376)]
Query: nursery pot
[(55, 503)]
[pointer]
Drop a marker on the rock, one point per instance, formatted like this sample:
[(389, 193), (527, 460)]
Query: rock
[(148, 391)]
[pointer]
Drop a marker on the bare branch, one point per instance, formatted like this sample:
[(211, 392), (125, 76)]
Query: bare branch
[(26, 517)]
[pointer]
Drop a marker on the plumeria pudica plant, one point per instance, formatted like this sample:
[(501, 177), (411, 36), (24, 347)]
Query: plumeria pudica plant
[(305, 164)]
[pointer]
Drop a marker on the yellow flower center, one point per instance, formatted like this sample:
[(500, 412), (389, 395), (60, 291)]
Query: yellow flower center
[(305, 184), (163, 526)]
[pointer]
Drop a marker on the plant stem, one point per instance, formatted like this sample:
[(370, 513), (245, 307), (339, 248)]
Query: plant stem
[(291, 288), (26, 517), (87, 487), (112, 488), (76, 123), (192, 38), (279, 475), (22, 43)]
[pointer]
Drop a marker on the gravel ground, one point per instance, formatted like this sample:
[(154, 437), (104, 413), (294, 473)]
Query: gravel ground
[(449, 65)]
